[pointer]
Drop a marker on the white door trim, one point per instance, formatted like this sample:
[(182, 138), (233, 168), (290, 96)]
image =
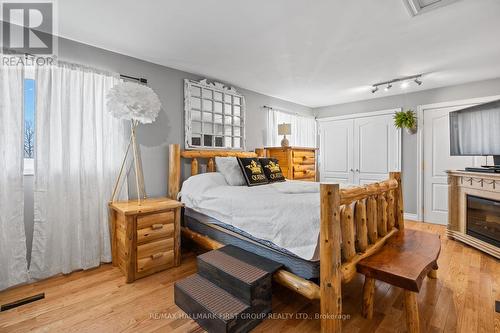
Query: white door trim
[(360, 115), (420, 141)]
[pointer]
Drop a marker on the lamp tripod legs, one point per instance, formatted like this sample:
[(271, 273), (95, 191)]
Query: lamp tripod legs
[(121, 170), (139, 176), (136, 162)]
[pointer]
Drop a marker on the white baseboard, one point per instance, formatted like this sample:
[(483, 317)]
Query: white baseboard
[(410, 216)]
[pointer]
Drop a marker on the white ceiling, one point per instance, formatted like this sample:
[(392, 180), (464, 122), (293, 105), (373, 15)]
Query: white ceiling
[(314, 53)]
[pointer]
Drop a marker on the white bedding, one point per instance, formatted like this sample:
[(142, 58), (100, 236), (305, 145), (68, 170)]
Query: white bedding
[(286, 213)]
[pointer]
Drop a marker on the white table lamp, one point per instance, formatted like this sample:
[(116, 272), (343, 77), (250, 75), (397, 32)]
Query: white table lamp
[(284, 129)]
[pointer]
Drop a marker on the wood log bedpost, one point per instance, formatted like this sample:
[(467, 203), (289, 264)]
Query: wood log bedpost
[(211, 165), (330, 273), (399, 217), (174, 170)]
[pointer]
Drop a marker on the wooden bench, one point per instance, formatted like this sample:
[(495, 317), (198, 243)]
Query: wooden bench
[(404, 261)]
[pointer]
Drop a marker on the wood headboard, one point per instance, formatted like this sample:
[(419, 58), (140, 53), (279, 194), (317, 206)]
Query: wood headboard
[(174, 166)]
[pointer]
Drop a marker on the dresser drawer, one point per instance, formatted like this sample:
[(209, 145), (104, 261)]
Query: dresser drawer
[(303, 168), (155, 231), (304, 160), (305, 175), (303, 154), (155, 254)]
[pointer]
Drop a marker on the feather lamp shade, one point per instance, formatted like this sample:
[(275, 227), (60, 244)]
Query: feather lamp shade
[(284, 129)]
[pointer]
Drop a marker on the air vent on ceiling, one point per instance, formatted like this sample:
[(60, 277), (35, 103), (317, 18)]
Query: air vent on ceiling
[(417, 7)]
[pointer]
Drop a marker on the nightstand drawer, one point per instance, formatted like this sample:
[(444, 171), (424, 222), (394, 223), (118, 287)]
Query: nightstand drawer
[(155, 231), (153, 248), (146, 221), (160, 258)]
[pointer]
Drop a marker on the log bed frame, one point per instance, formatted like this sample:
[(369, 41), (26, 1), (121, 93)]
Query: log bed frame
[(377, 215)]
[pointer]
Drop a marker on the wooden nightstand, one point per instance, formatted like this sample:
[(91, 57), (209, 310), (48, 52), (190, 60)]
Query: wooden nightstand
[(146, 238)]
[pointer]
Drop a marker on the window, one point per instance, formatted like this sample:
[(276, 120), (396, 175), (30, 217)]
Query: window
[(29, 126), (214, 115), (303, 129)]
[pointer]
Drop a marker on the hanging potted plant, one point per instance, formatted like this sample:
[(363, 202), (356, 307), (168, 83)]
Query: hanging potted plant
[(406, 119)]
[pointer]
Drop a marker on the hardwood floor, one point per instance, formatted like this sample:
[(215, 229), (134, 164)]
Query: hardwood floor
[(462, 299)]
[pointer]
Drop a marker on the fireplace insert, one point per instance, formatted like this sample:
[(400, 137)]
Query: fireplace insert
[(483, 219)]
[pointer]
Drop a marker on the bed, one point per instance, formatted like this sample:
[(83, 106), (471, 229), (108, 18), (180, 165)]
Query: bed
[(339, 226)]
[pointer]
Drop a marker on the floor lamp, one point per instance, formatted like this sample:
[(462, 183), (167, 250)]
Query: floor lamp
[(139, 104)]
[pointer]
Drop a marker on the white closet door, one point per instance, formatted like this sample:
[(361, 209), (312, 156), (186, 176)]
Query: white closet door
[(377, 148), (437, 160), (336, 151)]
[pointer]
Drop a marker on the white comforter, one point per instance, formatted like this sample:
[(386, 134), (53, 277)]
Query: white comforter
[(286, 214)]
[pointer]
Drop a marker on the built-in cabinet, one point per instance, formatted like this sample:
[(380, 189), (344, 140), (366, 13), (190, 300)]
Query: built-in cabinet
[(359, 150)]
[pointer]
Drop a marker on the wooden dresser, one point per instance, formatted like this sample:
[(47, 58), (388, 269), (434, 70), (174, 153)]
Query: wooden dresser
[(145, 238), (296, 162)]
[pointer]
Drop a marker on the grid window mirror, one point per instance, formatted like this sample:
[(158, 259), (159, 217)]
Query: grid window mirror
[(214, 116)]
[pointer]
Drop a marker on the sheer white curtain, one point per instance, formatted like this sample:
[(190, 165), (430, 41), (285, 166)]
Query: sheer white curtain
[(79, 147), (303, 129), (13, 265)]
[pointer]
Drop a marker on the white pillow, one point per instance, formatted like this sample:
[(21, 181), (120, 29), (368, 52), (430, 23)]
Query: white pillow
[(197, 185), (202, 182), (230, 169)]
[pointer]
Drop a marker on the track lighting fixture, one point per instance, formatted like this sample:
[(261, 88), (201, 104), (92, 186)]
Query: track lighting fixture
[(405, 82)]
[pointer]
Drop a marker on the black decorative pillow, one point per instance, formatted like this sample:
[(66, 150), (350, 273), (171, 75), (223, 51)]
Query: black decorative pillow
[(272, 170), (252, 171)]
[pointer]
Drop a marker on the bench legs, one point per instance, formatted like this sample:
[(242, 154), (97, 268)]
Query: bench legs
[(368, 297), (411, 307), (433, 273)]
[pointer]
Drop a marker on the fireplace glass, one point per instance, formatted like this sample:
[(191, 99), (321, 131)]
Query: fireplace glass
[(483, 219)]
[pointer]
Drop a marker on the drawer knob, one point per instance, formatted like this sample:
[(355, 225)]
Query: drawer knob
[(157, 226), (156, 256)]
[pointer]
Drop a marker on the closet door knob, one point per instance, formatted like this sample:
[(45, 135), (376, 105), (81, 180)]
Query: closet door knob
[(357, 170), (352, 170)]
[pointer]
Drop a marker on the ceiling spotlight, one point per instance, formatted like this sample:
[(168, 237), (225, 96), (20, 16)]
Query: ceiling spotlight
[(417, 81), (404, 85), (374, 90), (389, 86)]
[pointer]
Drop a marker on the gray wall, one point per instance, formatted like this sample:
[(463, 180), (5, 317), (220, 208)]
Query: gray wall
[(412, 100), (169, 127)]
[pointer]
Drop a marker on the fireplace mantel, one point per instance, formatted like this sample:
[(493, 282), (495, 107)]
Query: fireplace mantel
[(461, 184)]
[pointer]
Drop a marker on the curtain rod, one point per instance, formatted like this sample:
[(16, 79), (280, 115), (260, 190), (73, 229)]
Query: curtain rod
[(280, 110), (140, 79), (286, 111)]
